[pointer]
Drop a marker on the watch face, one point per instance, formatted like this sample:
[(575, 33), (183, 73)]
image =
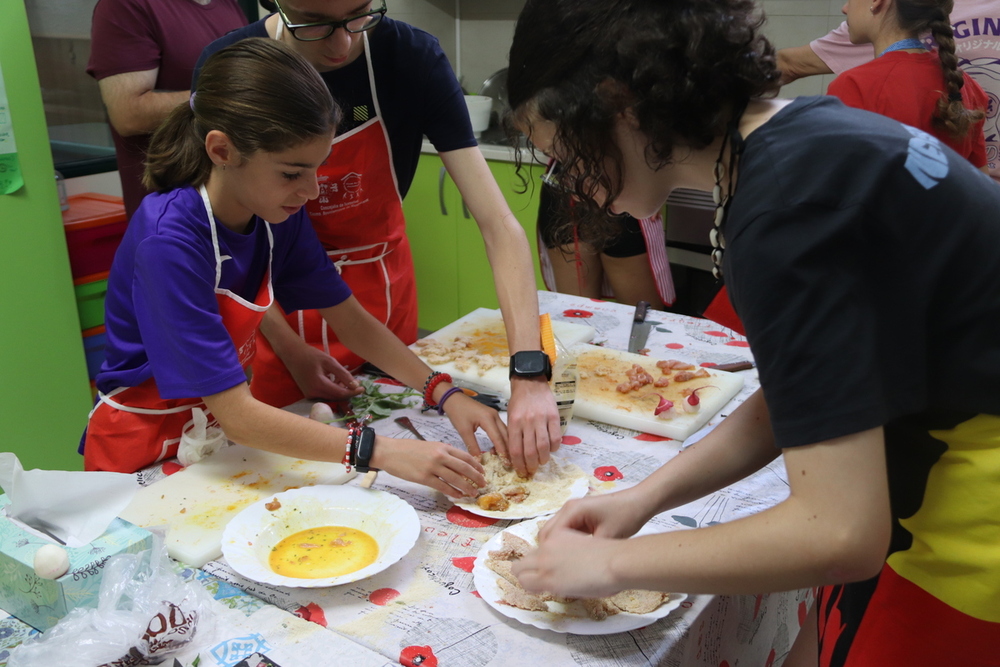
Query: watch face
[(530, 363)]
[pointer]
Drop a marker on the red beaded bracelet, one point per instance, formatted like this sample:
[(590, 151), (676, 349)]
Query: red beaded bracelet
[(353, 432), (433, 381)]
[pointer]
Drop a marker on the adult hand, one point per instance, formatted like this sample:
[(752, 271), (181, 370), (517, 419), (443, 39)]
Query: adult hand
[(320, 376), (570, 563), (449, 470), (532, 424), (612, 515), (467, 415)]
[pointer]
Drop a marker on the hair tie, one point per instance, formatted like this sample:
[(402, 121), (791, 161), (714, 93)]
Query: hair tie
[(955, 97), (191, 100)]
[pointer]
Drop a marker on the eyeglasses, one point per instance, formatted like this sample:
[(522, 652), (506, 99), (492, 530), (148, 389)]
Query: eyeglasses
[(313, 32)]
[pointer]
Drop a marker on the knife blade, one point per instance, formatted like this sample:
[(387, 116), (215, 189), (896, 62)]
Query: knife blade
[(640, 327)]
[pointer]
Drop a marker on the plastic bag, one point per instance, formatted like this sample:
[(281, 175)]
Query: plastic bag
[(146, 613)]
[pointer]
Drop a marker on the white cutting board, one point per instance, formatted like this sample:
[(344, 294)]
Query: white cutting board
[(197, 502), (598, 399), (484, 326)]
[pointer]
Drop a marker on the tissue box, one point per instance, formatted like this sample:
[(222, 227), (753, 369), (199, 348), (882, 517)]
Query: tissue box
[(42, 602)]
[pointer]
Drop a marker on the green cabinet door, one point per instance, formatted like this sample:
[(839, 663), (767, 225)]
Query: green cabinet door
[(476, 288), (431, 227), (453, 273)]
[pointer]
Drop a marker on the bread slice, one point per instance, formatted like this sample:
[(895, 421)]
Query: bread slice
[(515, 596), (638, 602), (502, 567)]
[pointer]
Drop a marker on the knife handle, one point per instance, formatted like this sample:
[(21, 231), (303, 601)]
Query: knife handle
[(734, 366), (641, 310)]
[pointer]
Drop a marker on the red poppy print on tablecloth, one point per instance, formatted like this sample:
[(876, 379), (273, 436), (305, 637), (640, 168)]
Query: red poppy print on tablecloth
[(674, 346), (390, 381), (575, 312), (313, 613), (649, 437), (717, 334), (418, 656), (460, 517), (465, 564), (571, 440), (383, 596), (170, 467), (608, 473), (738, 343)]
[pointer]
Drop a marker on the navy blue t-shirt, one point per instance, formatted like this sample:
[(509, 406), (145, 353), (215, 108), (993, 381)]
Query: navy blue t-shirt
[(417, 91)]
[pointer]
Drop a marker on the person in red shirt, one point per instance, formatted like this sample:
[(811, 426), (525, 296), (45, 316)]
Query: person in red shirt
[(908, 82)]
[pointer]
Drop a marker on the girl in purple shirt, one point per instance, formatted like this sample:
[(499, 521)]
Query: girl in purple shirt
[(205, 258)]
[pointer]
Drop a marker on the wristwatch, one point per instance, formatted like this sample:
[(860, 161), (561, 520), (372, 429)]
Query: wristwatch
[(529, 364), (366, 447)]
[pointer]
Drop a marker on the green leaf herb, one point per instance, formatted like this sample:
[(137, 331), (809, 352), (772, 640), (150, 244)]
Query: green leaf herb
[(377, 403)]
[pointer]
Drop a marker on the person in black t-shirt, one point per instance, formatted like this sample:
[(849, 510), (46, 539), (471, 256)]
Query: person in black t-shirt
[(860, 255)]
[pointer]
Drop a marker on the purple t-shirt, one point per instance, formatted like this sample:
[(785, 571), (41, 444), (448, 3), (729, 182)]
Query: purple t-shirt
[(162, 316), (141, 35)]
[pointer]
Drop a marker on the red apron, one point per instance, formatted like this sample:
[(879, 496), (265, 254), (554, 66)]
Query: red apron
[(358, 217), (132, 427)]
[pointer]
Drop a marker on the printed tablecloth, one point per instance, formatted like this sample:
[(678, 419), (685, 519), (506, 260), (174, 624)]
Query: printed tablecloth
[(424, 610), (426, 604)]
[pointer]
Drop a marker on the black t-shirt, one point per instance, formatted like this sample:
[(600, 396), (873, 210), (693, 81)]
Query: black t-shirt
[(417, 91), (861, 257)]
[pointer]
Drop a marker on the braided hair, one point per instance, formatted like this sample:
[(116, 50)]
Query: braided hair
[(920, 16)]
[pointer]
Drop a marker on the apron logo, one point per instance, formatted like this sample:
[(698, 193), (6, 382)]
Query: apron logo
[(352, 186)]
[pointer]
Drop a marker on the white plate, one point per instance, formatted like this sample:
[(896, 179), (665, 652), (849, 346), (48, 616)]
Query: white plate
[(535, 507), (575, 621), (250, 536)]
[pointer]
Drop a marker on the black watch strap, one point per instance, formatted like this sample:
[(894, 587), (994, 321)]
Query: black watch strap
[(366, 447)]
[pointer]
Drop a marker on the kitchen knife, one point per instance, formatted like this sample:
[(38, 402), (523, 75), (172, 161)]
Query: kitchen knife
[(640, 327)]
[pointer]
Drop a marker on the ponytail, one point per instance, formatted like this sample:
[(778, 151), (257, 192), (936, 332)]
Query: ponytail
[(176, 154), (918, 16), (259, 93)]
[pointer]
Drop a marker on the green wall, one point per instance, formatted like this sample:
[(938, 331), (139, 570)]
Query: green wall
[(44, 391)]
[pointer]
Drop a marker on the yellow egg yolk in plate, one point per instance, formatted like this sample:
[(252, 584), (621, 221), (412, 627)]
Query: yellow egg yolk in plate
[(326, 551)]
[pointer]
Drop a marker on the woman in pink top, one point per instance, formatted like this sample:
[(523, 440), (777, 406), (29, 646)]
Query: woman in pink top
[(908, 82)]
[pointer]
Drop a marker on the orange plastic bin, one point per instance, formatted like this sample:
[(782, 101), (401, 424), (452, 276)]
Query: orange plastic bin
[(95, 225)]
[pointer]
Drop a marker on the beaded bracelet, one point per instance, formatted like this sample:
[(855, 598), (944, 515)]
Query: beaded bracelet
[(351, 448), (447, 394), (433, 381)]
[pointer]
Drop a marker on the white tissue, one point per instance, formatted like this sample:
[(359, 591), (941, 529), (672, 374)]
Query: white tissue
[(75, 507)]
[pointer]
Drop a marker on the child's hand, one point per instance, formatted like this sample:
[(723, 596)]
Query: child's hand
[(467, 415), (448, 469), (320, 376), (614, 515), (570, 563)]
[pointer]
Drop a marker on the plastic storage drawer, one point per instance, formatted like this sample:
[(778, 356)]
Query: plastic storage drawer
[(94, 225), (94, 341), (90, 300)]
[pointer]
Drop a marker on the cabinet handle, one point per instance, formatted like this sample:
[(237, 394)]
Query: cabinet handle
[(441, 177)]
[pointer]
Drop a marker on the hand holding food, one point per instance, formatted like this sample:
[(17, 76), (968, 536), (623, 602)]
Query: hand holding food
[(451, 471), (467, 415), (569, 564), (611, 515)]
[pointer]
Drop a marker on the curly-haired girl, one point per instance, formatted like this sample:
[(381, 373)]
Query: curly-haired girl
[(860, 254), (908, 82)]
